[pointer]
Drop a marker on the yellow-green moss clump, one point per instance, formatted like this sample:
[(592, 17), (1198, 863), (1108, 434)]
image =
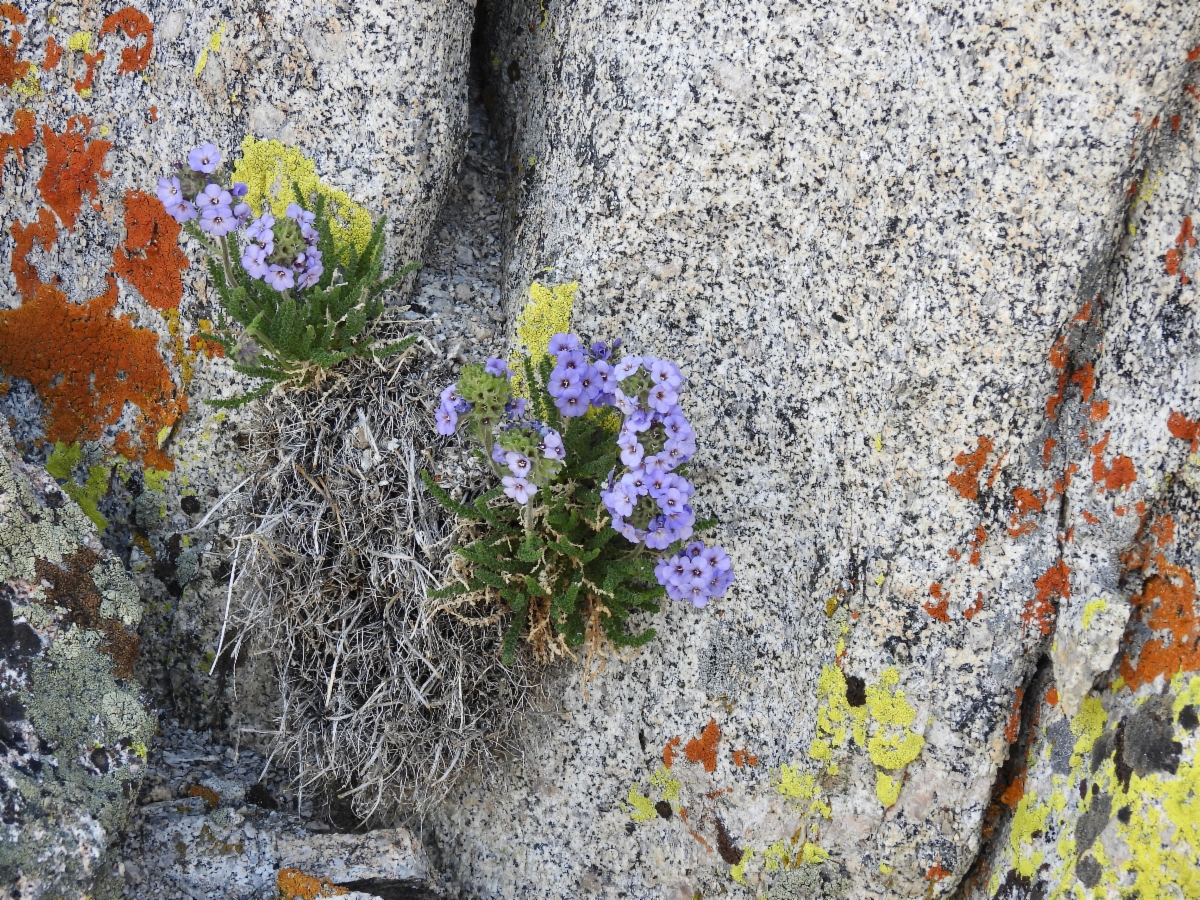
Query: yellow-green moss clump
[(269, 169)]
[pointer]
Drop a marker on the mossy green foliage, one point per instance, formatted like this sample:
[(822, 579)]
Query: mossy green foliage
[(301, 333), (556, 561)]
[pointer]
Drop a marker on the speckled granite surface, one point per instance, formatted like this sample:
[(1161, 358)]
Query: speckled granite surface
[(870, 234)]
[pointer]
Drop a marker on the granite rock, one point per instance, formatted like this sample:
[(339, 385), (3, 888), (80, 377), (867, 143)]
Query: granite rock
[(880, 242), (73, 727)]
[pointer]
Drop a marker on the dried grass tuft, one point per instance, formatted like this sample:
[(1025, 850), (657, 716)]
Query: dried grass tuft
[(384, 694)]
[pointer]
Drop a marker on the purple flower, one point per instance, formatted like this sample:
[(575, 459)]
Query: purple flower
[(562, 343), (639, 421), (498, 454), (660, 536), (182, 211), (241, 212), (694, 549), (671, 501), (518, 463), (204, 158), (631, 451), (658, 480), (572, 403), (676, 593), (310, 234), (619, 501), (300, 214), (239, 189), (169, 191), (254, 260), (572, 361), (518, 488), (626, 367), (663, 398), (697, 595), (664, 372), (260, 230), (599, 350), (497, 366), (310, 277), (719, 582), (627, 405), (604, 376), (677, 427), (561, 381), (626, 530), (217, 220), (679, 451), (447, 419), (213, 196), (658, 461), (589, 382), (635, 481), (664, 570), (552, 445), (450, 393), (280, 278)]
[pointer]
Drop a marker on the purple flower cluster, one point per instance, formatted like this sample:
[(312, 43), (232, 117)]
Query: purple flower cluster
[(193, 195), (530, 452), (581, 380), (283, 254), (696, 574), (281, 268), (649, 502)]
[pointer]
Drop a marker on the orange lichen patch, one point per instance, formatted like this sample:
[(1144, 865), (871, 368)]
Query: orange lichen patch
[(1089, 518), (1014, 792), (1054, 401), (53, 56), (86, 364), (1166, 604), (1175, 123), (1013, 729), (292, 884), (1028, 502), (1086, 313), (936, 872), (970, 612), (966, 481), (996, 469), (90, 61), (44, 232), (704, 748), (74, 168), (20, 139), (976, 542), (744, 757), (954, 554), (939, 606), (1058, 353), (12, 70), (1099, 411), (1052, 696), (1054, 584), (150, 259), (1163, 529), (135, 24), (1120, 474), (210, 797), (1184, 428), (1086, 379), (1186, 238), (201, 343), (1047, 452), (1194, 54), (1061, 484), (669, 751)]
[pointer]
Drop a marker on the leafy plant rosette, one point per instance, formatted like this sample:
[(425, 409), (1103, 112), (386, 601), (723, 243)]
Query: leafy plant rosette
[(298, 317), (590, 521)]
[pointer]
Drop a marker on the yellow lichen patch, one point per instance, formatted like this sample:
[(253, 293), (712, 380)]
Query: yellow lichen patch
[(793, 783), (80, 42), (887, 789), (1087, 726), (895, 751), (547, 313), (213, 46), (155, 479), (269, 169), (886, 703), (1029, 817), (643, 807), (292, 884), (812, 854), (738, 872), (821, 808), (777, 856), (668, 785), (1091, 608), (29, 88)]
